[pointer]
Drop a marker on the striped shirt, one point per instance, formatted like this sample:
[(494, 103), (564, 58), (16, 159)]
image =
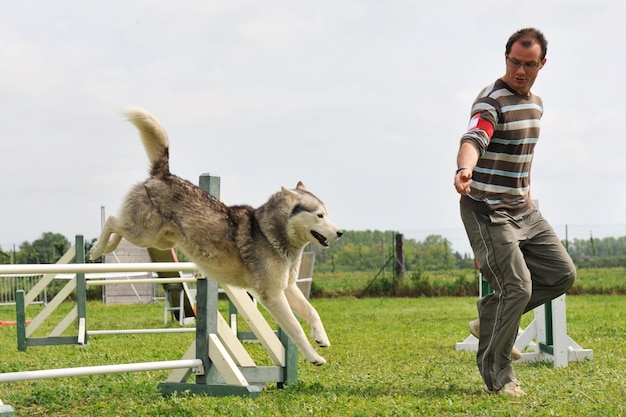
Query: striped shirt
[(505, 128)]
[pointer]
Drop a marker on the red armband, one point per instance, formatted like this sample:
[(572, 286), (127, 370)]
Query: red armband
[(477, 123)]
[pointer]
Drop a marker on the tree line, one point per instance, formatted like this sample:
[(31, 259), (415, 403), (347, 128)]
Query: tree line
[(369, 250)]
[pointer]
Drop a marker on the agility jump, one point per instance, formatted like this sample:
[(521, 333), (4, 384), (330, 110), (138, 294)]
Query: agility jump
[(215, 344), (217, 358)]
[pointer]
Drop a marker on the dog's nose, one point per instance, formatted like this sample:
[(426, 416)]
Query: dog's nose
[(339, 234)]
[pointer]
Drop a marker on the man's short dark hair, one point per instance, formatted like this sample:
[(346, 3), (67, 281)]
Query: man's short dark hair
[(527, 37)]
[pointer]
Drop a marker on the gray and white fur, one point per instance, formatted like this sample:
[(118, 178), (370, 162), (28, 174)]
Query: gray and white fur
[(256, 249)]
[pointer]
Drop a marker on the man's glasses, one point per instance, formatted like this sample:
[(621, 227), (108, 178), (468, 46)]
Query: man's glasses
[(528, 66)]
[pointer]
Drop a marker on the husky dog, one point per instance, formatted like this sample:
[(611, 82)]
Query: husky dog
[(256, 249)]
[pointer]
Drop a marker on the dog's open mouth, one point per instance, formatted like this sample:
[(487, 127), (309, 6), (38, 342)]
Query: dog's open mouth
[(320, 238)]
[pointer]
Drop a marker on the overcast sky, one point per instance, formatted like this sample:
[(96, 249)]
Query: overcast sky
[(364, 101)]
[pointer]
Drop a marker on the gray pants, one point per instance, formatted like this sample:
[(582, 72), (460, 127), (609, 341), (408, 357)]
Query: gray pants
[(523, 260)]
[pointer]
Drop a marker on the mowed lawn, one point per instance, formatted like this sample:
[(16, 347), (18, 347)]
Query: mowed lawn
[(389, 357)]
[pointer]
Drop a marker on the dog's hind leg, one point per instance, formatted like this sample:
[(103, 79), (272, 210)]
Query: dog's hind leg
[(108, 240), (302, 307), (114, 241), (279, 308)]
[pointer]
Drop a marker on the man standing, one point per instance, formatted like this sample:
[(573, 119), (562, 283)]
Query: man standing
[(517, 251)]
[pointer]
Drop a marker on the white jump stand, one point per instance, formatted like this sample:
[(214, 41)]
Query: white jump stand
[(545, 338), (6, 410)]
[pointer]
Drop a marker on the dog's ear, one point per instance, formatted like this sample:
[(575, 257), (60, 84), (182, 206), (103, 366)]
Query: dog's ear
[(300, 186), (288, 194)]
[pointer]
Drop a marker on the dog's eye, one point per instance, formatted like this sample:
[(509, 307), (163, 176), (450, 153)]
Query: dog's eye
[(320, 216)]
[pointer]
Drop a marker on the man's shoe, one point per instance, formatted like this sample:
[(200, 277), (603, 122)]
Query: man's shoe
[(512, 389), (474, 328)]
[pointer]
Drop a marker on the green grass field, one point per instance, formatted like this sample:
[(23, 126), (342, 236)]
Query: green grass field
[(390, 357)]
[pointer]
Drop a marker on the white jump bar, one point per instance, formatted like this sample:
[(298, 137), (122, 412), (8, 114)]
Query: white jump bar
[(140, 281), (109, 267), (99, 370), (141, 331)]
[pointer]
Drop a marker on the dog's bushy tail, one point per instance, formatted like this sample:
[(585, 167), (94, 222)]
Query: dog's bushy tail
[(154, 139)]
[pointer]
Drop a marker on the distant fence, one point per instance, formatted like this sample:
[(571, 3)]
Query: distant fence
[(9, 283)]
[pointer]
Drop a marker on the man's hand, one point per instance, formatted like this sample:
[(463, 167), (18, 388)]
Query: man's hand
[(463, 181)]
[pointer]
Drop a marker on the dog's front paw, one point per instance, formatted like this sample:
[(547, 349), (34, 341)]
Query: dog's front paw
[(319, 335), (319, 361), (312, 356), (323, 343)]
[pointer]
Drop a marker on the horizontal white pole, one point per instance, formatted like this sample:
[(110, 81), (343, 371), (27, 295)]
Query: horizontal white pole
[(110, 267), (99, 370), (141, 331), (104, 275), (140, 281)]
